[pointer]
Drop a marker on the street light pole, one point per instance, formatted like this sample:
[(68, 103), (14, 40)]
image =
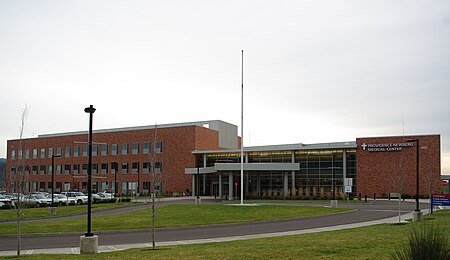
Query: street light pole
[(115, 179), (53, 177), (332, 176), (91, 111), (333, 203)]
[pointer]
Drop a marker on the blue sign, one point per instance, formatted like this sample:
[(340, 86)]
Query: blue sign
[(440, 200)]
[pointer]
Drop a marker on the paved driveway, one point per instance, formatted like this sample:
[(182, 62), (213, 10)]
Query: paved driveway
[(363, 212)]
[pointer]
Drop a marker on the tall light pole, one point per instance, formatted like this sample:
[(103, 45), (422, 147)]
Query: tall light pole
[(332, 177), (417, 213), (115, 178), (242, 129), (333, 203), (91, 111), (53, 177)]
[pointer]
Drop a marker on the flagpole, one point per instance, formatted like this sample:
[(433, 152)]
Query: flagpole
[(242, 128)]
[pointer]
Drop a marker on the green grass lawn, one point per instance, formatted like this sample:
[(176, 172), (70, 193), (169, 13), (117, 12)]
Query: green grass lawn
[(373, 242), (173, 216), (10, 214)]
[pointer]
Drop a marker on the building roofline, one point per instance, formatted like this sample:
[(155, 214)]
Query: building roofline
[(396, 136), (285, 147), (136, 128)]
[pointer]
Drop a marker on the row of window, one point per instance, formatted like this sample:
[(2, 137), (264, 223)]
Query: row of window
[(124, 167), (103, 149), (126, 187), (330, 157)]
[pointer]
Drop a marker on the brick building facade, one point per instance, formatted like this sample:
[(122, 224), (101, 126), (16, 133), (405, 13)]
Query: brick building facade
[(204, 157), (133, 157), (388, 164)]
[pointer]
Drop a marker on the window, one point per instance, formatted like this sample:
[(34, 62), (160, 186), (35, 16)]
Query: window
[(76, 168), (104, 168), (58, 169), (145, 186), (125, 149), (145, 147), (135, 148), (114, 149), (94, 150), (104, 186), (35, 153), (85, 166), (85, 150), (146, 167), (76, 151), (42, 152), (20, 154), (50, 152), (94, 168), (67, 151), (158, 167), (67, 169), (135, 167), (42, 169), (124, 167), (27, 154), (50, 169), (158, 147), (35, 169), (13, 154), (59, 151), (104, 149), (27, 170), (114, 168)]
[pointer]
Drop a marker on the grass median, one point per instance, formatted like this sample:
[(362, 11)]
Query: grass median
[(173, 216), (372, 242), (10, 214)]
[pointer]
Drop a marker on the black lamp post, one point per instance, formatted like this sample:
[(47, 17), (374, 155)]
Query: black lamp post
[(115, 178), (91, 111), (197, 189), (332, 177), (53, 177), (417, 171)]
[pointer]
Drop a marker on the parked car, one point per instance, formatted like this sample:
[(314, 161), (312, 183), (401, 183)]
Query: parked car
[(96, 197), (79, 196), (106, 195), (13, 196), (61, 199), (5, 201), (36, 199)]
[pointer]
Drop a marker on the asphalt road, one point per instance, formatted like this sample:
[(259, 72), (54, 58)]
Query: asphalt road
[(363, 212)]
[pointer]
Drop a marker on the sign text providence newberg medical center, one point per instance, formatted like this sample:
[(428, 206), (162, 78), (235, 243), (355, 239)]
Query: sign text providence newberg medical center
[(385, 147)]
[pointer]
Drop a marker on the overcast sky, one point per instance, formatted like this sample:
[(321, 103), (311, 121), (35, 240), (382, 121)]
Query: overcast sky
[(314, 71)]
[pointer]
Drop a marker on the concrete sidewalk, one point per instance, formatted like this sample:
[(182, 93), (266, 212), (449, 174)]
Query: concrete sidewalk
[(109, 248)]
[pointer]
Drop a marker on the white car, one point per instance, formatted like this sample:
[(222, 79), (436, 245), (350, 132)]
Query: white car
[(36, 199), (5, 201), (106, 195), (78, 196), (61, 199)]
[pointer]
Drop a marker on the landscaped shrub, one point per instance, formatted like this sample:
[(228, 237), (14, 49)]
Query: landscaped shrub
[(6, 206), (425, 241)]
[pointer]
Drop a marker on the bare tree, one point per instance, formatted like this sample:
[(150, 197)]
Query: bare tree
[(157, 183), (398, 180), (20, 176), (429, 183)]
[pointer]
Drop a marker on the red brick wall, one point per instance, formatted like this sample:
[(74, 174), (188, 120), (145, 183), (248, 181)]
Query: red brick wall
[(178, 144), (379, 171)]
